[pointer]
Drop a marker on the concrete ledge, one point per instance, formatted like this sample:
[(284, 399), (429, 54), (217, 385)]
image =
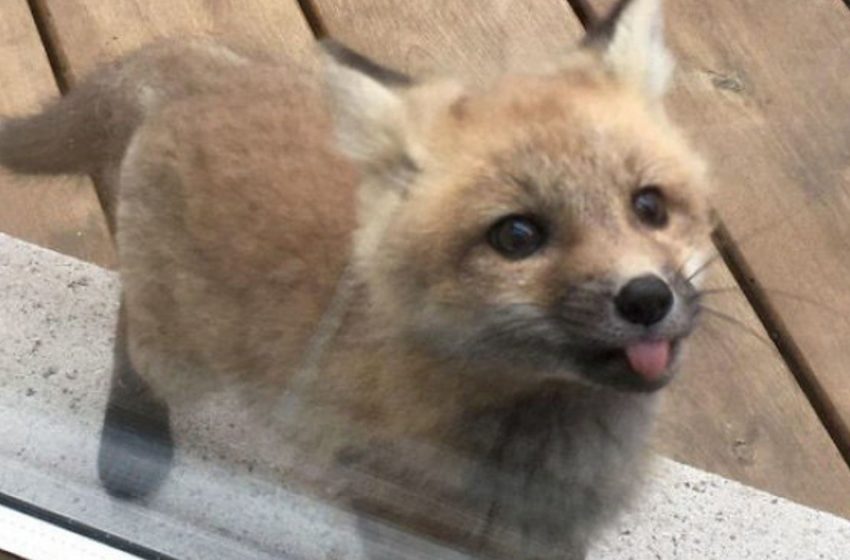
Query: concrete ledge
[(56, 322)]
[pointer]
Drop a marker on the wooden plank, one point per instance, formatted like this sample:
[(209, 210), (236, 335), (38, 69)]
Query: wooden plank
[(738, 411), (90, 32), (476, 38), (62, 214)]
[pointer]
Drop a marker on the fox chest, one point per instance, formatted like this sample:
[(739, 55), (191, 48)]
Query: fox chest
[(533, 479)]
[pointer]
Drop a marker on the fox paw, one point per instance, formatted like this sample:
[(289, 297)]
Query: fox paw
[(136, 453)]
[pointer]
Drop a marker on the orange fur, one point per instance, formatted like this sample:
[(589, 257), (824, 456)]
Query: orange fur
[(238, 223)]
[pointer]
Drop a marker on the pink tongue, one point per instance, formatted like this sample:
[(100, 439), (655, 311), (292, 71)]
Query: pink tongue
[(649, 359)]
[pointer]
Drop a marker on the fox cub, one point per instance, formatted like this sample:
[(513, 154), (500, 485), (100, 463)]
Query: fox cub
[(469, 293)]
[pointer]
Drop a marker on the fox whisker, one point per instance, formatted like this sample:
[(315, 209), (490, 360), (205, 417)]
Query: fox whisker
[(705, 266), (773, 291), (735, 321)]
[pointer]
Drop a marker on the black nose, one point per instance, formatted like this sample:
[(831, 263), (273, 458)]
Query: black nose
[(644, 300)]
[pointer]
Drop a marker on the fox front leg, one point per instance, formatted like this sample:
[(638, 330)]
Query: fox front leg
[(136, 446)]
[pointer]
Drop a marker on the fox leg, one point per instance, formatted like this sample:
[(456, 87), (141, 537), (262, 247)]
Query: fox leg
[(136, 446)]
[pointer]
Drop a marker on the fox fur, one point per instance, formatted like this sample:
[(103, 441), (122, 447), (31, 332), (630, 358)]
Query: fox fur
[(319, 239)]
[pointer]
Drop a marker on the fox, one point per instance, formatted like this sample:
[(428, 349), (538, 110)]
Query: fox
[(460, 298)]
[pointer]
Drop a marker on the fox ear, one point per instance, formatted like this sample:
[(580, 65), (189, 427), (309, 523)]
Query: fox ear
[(368, 106), (631, 40)]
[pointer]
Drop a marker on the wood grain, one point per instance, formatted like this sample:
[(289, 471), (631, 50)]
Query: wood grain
[(773, 88), (90, 32), (738, 411), (478, 37), (62, 214)]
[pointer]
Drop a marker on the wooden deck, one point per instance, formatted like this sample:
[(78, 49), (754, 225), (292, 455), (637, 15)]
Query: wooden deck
[(763, 87)]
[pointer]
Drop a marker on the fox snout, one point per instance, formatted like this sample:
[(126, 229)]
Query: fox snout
[(645, 300), (629, 334)]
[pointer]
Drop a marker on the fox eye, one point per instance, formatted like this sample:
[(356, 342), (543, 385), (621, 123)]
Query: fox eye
[(650, 207), (516, 237)]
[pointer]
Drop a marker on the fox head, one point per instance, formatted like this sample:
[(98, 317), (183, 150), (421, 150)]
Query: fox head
[(546, 221)]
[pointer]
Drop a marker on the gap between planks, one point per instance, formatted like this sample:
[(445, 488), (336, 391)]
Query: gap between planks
[(313, 19), (815, 393), (585, 14), (47, 32), (60, 67)]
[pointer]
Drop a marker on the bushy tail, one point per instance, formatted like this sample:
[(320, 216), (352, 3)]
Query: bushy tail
[(88, 130), (82, 132)]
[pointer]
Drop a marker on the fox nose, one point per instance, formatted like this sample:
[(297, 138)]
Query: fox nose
[(645, 300)]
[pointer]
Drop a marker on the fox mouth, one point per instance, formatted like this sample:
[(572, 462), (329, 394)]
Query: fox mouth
[(644, 365)]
